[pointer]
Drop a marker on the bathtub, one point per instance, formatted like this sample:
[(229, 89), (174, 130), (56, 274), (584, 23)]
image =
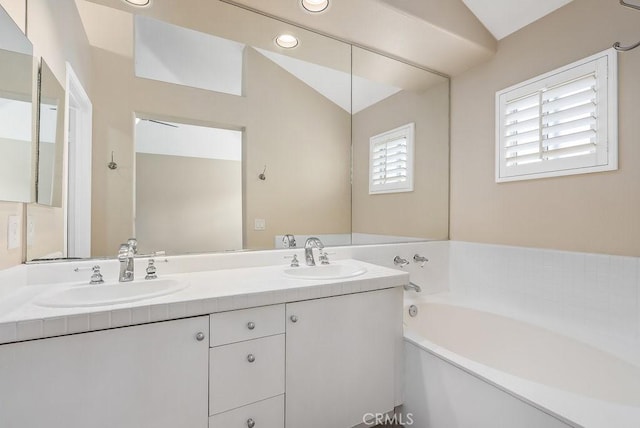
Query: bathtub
[(466, 368)]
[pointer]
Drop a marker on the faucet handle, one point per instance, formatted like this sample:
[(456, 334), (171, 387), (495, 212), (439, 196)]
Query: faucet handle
[(294, 260), (399, 261), (324, 258), (420, 259), (151, 270), (96, 276)]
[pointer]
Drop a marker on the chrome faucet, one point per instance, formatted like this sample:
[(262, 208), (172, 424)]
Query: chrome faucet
[(309, 245), (126, 255), (289, 241)]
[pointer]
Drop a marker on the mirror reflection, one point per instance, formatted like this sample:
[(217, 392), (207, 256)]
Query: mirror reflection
[(159, 72), (45, 219), (292, 107), (188, 188), (393, 95), (50, 139), (16, 113)]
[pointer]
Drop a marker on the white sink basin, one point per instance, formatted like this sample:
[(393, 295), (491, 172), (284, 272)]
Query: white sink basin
[(331, 271), (110, 294)]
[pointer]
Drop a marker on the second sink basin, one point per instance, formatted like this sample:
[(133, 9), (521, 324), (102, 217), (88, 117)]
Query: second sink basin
[(331, 271), (110, 294)]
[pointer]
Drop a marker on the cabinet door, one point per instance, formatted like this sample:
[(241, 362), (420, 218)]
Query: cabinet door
[(152, 375), (342, 354)]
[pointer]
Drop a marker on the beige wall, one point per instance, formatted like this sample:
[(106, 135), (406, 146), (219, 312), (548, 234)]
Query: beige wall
[(592, 212), (305, 144), (48, 240), (424, 212), (188, 205), (317, 201), (9, 258)]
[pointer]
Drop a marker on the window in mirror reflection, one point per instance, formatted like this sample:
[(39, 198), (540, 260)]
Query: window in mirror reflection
[(188, 187)]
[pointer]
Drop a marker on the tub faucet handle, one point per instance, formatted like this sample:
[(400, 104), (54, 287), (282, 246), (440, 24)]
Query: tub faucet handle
[(399, 261), (420, 259)]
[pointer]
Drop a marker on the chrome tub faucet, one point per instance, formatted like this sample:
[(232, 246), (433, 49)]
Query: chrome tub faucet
[(126, 256)]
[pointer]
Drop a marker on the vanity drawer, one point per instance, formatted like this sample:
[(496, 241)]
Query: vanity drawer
[(246, 324), (245, 372), (264, 414)]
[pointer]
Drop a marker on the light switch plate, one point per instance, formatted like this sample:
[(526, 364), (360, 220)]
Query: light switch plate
[(31, 231), (259, 224), (13, 232)]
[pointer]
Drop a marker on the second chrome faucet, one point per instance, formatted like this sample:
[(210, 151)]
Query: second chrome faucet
[(309, 245), (126, 256)]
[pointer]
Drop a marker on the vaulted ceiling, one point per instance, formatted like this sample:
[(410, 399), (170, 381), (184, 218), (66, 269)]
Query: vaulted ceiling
[(449, 36)]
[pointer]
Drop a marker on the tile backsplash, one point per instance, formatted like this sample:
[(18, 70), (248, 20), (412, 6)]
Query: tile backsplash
[(593, 297)]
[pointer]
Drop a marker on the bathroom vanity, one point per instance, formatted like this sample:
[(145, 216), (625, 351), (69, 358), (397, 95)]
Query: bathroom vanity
[(280, 351)]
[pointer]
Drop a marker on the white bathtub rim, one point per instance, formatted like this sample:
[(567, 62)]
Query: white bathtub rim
[(627, 352), (570, 408), (484, 373)]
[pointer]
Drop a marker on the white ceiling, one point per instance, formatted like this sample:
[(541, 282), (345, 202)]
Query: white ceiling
[(179, 139), (503, 17), (444, 35)]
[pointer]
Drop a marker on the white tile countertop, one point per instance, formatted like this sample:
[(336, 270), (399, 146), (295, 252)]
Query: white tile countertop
[(207, 292)]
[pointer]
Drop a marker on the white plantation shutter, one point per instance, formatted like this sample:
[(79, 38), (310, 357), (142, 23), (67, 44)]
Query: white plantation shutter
[(391, 160), (563, 122)]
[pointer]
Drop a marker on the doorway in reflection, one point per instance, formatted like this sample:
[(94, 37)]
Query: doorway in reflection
[(188, 193)]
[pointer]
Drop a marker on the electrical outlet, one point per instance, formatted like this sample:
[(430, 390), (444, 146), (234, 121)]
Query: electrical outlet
[(259, 224), (13, 232)]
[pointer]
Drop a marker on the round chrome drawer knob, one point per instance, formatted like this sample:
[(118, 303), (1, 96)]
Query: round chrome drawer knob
[(251, 423), (200, 336), (413, 310), (251, 358), (251, 325), (294, 318)]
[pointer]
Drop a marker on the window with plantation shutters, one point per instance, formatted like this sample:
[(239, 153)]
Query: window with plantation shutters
[(560, 123), (391, 160)]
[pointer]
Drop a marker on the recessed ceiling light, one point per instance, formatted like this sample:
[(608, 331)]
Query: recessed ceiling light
[(315, 5), (138, 3), (286, 41)]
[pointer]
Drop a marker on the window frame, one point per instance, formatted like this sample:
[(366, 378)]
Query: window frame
[(408, 132), (606, 155)]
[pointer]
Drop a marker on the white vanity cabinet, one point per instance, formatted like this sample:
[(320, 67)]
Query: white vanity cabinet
[(147, 376), (247, 368), (343, 355), (316, 363)]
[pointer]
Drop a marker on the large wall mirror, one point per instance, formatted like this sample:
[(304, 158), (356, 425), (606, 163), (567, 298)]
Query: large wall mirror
[(207, 136), (50, 139), (45, 217), (17, 152)]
